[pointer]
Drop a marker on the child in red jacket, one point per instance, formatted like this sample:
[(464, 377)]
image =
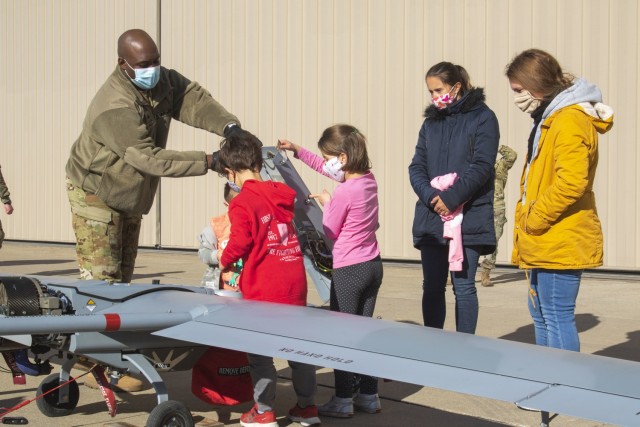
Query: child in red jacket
[(263, 236)]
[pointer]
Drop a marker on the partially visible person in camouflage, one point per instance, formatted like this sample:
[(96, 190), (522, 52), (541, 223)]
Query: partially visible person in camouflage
[(106, 240), (6, 201), (506, 160)]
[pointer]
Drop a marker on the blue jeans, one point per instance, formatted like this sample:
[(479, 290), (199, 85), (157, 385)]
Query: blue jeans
[(435, 268), (552, 304)]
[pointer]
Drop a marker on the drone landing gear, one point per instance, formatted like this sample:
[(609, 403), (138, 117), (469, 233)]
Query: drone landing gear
[(546, 418), (170, 413), (50, 404)]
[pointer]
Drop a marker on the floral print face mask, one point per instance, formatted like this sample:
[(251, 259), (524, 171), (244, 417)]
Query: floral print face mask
[(443, 101)]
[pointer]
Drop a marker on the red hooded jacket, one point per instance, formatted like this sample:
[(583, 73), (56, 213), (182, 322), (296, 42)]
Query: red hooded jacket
[(262, 234)]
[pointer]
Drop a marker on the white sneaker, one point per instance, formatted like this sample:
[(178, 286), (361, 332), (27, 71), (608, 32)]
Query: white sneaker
[(339, 407), (369, 403)]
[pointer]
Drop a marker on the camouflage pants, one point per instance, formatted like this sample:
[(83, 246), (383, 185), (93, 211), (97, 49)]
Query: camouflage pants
[(499, 220), (1, 234), (106, 240)]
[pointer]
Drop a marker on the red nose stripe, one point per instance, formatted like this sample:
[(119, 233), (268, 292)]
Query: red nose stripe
[(113, 322)]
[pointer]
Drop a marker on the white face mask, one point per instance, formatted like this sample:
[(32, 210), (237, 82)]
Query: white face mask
[(333, 168), (146, 78), (526, 102)]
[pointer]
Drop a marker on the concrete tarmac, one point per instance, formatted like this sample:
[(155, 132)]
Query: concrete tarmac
[(607, 315)]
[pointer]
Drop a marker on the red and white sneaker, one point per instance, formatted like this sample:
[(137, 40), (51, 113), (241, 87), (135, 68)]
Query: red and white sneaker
[(305, 416), (255, 419)]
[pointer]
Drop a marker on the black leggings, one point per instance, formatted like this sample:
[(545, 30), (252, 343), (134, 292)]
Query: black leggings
[(354, 290)]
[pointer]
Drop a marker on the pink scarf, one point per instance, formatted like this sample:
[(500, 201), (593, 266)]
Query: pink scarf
[(452, 223)]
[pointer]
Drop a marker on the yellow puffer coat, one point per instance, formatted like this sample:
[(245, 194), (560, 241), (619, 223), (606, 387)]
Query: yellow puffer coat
[(557, 226)]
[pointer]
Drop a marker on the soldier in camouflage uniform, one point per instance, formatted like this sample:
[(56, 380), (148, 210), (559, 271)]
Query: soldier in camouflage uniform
[(116, 163), (6, 201), (503, 164)]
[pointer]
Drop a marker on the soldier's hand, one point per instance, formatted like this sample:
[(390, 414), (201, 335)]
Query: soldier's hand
[(212, 161), (8, 208), (237, 132)]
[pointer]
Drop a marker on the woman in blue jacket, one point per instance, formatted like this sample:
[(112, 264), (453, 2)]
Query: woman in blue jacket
[(459, 135)]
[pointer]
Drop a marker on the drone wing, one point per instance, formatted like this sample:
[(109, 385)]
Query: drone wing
[(587, 386)]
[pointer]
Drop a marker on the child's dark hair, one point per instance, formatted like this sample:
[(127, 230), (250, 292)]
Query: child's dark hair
[(451, 74), (343, 138), (238, 152)]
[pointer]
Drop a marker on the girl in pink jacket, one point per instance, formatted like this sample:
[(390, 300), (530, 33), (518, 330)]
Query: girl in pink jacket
[(350, 219)]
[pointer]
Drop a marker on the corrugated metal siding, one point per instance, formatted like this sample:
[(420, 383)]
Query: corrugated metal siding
[(290, 68)]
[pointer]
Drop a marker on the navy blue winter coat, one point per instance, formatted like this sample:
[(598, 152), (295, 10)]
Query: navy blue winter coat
[(462, 138)]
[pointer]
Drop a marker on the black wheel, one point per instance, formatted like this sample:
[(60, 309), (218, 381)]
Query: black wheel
[(170, 414), (49, 404)]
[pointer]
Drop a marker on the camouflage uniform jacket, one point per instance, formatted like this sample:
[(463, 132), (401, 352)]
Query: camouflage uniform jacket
[(120, 154), (4, 191), (503, 164)]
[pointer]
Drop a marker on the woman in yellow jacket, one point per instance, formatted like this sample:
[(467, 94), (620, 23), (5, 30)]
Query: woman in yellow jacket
[(557, 231)]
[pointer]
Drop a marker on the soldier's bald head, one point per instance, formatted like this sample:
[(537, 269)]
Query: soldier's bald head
[(136, 49), (135, 41)]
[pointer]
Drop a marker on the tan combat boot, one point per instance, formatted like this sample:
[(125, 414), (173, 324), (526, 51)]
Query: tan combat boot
[(485, 277)]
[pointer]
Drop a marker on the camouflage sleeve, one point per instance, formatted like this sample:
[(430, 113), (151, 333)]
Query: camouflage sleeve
[(4, 191), (509, 155)]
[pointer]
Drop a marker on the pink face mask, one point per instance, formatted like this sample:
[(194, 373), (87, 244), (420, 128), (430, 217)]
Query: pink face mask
[(444, 100)]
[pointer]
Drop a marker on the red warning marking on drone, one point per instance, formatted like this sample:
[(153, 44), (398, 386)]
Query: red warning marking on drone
[(113, 322)]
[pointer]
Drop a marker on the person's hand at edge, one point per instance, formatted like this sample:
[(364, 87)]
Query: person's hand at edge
[(439, 207), (284, 144), (322, 198)]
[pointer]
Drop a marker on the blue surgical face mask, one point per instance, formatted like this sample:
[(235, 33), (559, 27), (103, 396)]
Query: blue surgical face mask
[(146, 78), (234, 186)]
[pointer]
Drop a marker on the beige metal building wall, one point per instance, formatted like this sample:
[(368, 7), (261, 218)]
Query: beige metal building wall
[(55, 56), (290, 68)]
